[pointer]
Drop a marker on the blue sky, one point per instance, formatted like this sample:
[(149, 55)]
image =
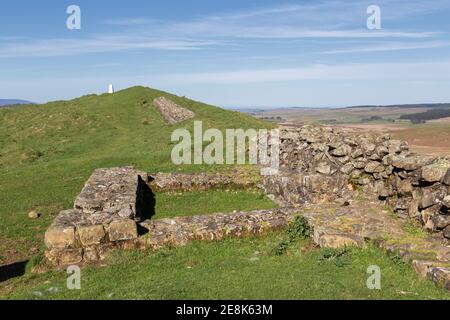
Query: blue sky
[(233, 53)]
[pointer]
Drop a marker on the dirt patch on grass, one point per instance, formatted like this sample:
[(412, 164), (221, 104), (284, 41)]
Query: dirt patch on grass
[(13, 251)]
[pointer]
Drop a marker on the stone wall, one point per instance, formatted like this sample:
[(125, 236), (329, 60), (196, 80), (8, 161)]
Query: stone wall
[(114, 209), (104, 215), (321, 163), (181, 182), (172, 112), (178, 231)]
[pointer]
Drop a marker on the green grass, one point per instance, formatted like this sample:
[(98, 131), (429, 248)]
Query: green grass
[(235, 269), (208, 202)]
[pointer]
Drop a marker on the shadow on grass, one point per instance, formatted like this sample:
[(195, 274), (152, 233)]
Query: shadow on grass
[(13, 270), (145, 204)]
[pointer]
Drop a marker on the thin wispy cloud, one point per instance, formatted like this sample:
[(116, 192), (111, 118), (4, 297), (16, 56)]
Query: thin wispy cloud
[(100, 44), (357, 71), (321, 20), (391, 47)]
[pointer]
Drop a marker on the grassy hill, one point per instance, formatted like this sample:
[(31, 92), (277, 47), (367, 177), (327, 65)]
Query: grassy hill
[(48, 151)]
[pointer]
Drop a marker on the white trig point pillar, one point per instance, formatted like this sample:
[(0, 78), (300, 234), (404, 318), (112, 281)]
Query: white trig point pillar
[(110, 89)]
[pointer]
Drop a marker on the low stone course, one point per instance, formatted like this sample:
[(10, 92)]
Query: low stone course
[(178, 231), (181, 182)]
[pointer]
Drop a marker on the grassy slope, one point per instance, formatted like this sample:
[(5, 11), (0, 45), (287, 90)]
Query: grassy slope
[(47, 152), (235, 269)]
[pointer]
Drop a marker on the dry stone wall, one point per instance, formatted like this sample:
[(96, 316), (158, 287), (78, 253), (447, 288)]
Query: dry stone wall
[(321, 164), (172, 112), (104, 215), (176, 182)]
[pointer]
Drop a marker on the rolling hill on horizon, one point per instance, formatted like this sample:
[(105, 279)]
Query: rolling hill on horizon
[(13, 102)]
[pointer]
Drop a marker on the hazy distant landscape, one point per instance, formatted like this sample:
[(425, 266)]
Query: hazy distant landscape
[(12, 102)]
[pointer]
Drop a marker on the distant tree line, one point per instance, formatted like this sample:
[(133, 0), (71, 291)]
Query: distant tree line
[(272, 118), (422, 117), (406, 106)]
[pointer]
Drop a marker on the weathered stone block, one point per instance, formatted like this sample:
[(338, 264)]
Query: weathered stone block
[(360, 163), (446, 178), (71, 256), (113, 192), (422, 267), (440, 221), (382, 189), (446, 202), (434, 172), (413, 208), (374, 167), (323, 168), (431, 196), (397, 146), (412, 162), (347, 168), (60, 237), (64, 257), (367, 146), (341, 151), (405, 187), (337, 240), (357, 153), (447, 232), (91, 235), (91, 254), (441, 276), (122, 230)]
